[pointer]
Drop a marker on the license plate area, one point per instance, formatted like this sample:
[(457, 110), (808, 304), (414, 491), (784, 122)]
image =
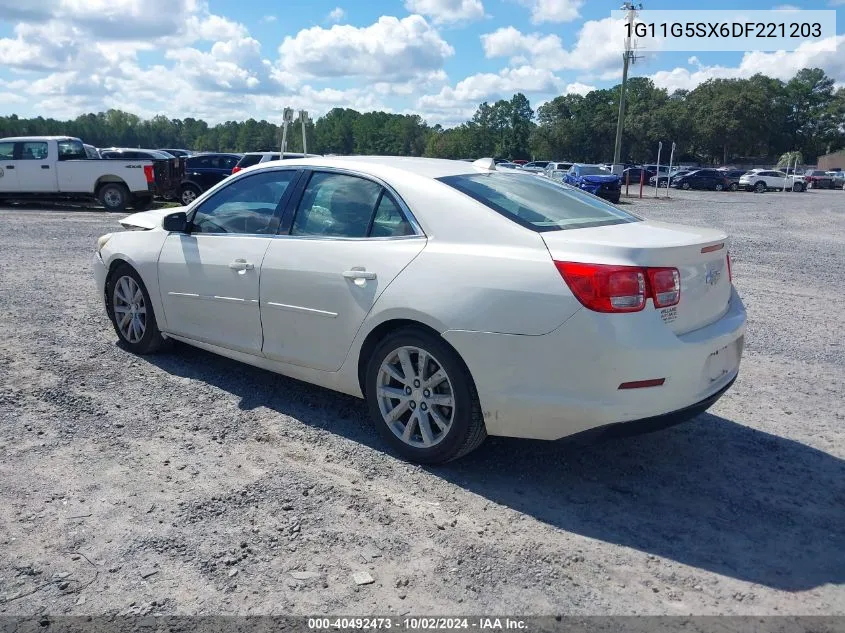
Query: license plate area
[(723, 361)]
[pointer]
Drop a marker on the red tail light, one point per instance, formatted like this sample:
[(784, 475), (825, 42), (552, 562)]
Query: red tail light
[(605, 288), (665, 285), (149, 174), (236, 169)]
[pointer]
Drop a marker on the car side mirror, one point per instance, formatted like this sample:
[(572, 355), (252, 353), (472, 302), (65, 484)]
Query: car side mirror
[(176, 222)]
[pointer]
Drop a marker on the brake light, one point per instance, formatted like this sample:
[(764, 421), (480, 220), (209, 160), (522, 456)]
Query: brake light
[(730, 273), (236, 169), (606, 288), (149, 174), (665, 285)]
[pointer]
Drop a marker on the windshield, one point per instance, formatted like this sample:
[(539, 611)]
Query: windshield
[(592, 170), (538, 203)]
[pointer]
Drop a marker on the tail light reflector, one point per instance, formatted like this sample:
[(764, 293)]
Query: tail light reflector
[(236, 169), (642, 384), (730, 272), (149, 174), (606, 288)]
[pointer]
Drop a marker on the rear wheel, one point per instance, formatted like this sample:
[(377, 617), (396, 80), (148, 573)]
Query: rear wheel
[(760, 187), (720, 186), (733, 186), (422, 398), (131, 312), (113, 196), (685, 185), (188, 194)]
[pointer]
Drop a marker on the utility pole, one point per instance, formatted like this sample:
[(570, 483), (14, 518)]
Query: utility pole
[(628, 57), (287, 119), (303, 120)]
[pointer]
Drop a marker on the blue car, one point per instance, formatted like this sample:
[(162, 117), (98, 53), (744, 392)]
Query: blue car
[(596, 180)]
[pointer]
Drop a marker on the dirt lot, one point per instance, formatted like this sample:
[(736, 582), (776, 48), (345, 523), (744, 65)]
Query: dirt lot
[(186, 483)]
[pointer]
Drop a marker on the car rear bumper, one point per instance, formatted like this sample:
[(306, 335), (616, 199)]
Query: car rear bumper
[(567, 381)]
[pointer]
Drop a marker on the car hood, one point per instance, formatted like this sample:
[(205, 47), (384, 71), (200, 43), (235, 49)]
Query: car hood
[(596, 179), (148, 220)]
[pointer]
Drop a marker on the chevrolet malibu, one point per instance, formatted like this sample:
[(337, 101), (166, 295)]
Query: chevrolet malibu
[(458, 300)]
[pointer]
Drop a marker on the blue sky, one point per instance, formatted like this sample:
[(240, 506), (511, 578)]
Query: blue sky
[(220, 60)]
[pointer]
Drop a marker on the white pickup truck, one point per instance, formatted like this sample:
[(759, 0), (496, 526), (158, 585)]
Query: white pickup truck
[(57, 167)]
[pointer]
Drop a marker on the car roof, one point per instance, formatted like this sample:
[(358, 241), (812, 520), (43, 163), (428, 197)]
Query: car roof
[(21, 139), (388, 166)]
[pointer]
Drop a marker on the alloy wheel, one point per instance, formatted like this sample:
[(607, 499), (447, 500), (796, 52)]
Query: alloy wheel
[(130, 309), (415, 397), (188, 196)]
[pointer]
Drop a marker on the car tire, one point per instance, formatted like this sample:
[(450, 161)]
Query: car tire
[(188, 194), (720, 186), (142, 203), (113, 196), (760, 187), (798, 187), (686, 186), (733, 186), (140, 334), (447, 431)]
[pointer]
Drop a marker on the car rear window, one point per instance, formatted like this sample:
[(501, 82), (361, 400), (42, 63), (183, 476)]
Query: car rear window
[(538, 203), (249, 160)]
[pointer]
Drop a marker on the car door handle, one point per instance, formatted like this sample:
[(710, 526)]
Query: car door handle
[(10, 166), (241, 264), (357, 273)]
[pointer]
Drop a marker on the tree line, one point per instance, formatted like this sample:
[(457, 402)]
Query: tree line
[(720, 121)]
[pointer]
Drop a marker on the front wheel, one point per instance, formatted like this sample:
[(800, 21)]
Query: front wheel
[(131, 312), (760, 187), (798, 187), (422, 398), (733, 186), (686, 186), (720, 186)]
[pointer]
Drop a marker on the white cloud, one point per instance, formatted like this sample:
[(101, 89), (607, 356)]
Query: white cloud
[(553, 10), (780, 65), (594, 50), (786, 7), (389, 49), (335, 15), (268, 19), (447, 11), (488, 86), (578, 88)]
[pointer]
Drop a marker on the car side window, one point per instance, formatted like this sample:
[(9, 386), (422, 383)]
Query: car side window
[(336, 205), (71, 150), (389, 220), (33, 151), (7, 151), (228, 162), (247, 205)]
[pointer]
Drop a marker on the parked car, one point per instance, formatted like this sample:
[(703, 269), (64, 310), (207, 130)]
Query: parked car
[(595, 180), (203, 172), (536, 166), (254, 158), (178, 153), (556, 170), (712, 179), (58, 168), (818, 179), (662, 178), (633, 175), (519, 161), (169, 170), (418, 324), (838, 179), (761, 180), (732, 176)]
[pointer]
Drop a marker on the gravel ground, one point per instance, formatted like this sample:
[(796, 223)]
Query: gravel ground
[(187, 483)]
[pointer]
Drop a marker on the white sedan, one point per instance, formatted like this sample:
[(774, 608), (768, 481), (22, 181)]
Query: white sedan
[(458, 300)]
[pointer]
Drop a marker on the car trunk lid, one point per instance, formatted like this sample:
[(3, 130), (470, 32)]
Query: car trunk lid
[(699, 254)]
